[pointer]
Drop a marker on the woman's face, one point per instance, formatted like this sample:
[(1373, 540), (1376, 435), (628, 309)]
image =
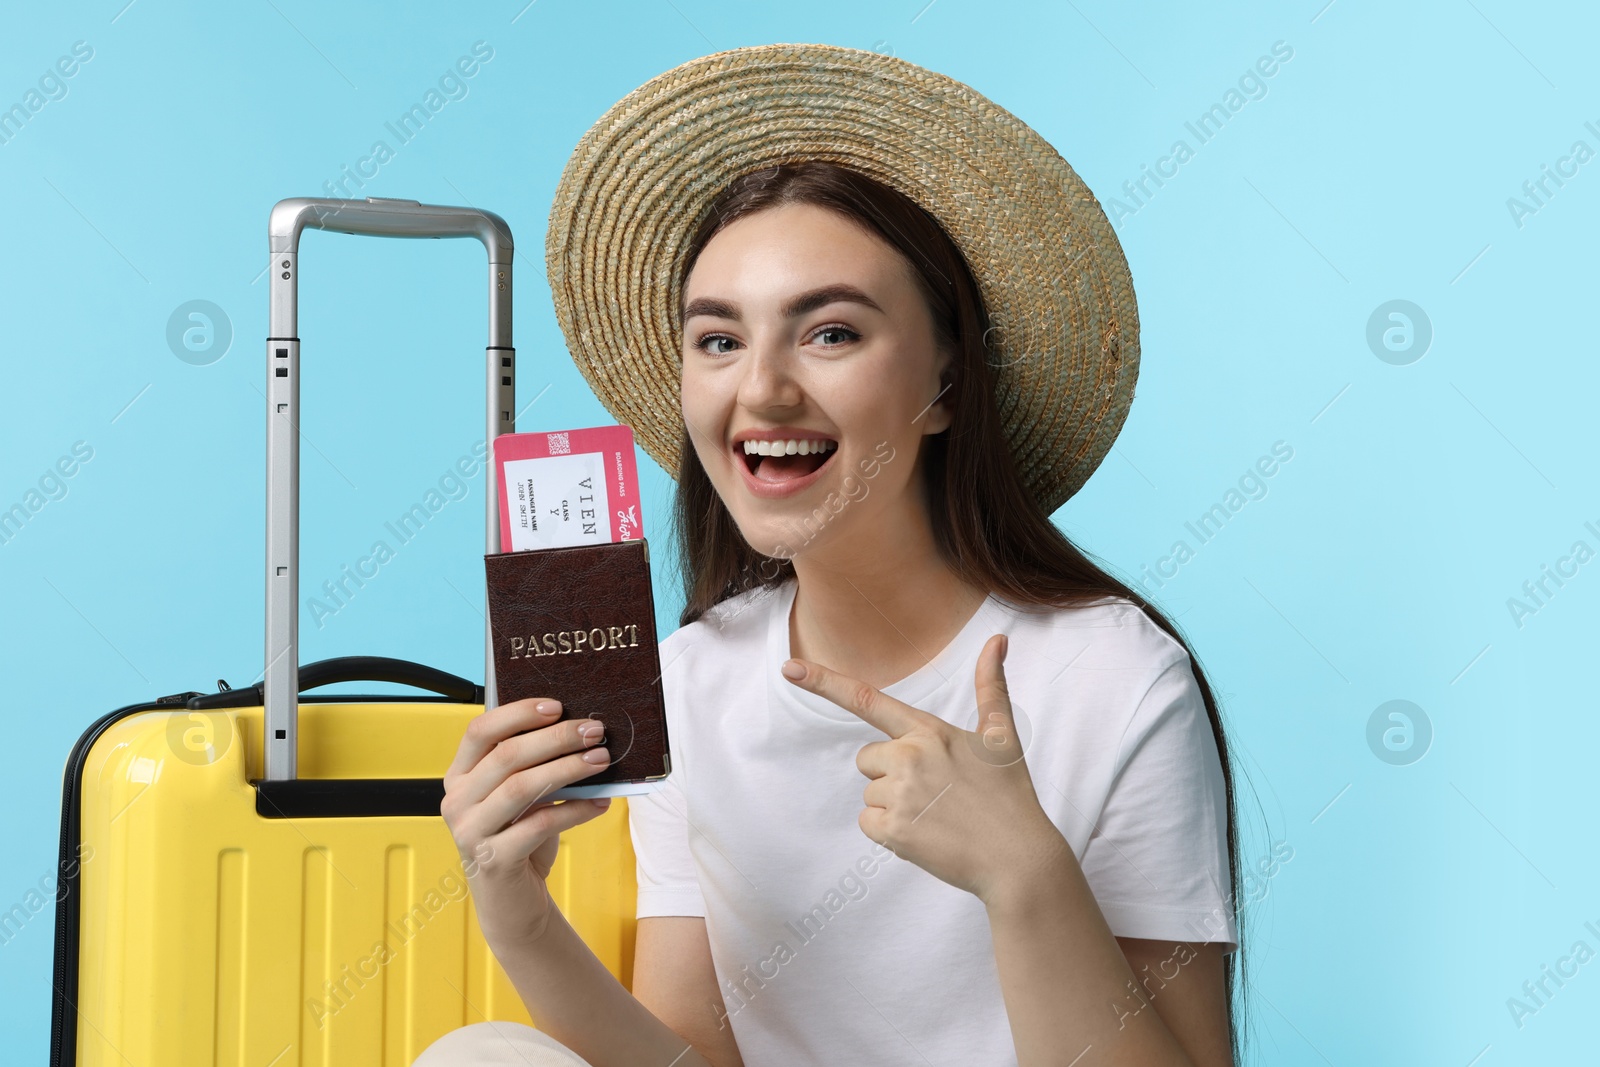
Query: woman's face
[(800, 322)]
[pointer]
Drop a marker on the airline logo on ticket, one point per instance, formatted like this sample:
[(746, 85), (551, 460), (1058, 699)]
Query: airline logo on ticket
[(567, 487)]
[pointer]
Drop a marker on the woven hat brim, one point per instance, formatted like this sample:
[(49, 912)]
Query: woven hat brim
[(1065, 336)]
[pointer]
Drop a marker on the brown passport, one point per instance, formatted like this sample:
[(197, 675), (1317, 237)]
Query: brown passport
[(577, 624)]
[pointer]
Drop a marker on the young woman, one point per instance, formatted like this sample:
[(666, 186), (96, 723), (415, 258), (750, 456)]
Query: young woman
[(943, 790)]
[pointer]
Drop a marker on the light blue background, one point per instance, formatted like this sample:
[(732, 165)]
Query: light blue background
[(1378, 566)]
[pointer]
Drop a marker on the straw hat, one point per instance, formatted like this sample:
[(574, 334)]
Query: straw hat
[(1065, 343)]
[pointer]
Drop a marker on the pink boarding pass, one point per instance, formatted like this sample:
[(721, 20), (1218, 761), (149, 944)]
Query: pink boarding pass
[(570, 487)]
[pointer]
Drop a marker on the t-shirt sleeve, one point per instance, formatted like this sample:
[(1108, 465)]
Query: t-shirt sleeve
[(659, 825), (1158, 858)]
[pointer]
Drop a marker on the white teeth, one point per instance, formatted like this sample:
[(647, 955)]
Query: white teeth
[(790, 447)]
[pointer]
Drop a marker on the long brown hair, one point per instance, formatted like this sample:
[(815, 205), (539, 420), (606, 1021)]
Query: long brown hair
[(989, 528)]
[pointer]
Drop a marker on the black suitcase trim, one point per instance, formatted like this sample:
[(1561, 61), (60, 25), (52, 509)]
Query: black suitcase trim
[(332, 798), (63, 1009)]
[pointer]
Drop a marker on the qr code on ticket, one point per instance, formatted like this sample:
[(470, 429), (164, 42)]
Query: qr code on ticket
[(557, 443)]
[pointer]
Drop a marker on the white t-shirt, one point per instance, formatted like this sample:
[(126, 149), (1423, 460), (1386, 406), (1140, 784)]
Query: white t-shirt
[(828, 948)]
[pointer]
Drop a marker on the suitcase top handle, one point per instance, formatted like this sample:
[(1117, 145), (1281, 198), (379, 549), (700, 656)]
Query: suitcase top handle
[(350, 669), (374, 217)]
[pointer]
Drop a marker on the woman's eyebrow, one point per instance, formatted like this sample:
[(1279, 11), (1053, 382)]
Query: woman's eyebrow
[(799, 305)]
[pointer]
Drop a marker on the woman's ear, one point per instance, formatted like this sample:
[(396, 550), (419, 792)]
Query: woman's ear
[(941, 412)]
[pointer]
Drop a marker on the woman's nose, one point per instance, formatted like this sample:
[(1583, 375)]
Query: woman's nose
[(769, 380)]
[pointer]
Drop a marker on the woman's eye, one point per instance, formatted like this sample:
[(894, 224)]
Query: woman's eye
[(837, 331), (705, 344)]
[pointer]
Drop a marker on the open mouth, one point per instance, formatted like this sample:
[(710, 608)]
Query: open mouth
[(777, 462)]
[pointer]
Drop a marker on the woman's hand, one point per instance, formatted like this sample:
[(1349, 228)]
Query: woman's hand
[(510, 758), (958, 803)]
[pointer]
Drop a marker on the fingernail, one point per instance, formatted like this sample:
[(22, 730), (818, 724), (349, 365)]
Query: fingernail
[(592, 732), (602, 802), (596, 755), (1005, 646), (548, 707), (793, 670)]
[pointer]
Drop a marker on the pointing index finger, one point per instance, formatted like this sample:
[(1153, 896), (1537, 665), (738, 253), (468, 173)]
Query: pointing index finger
[(893, 717)]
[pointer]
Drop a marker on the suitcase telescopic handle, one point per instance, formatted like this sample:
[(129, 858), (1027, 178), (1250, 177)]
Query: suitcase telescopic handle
[(376, 217)]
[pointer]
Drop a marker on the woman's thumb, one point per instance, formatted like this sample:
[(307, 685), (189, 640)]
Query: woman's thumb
[(997, 738)]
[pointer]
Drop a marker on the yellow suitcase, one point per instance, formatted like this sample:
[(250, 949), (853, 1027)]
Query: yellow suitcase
[(260, 877)]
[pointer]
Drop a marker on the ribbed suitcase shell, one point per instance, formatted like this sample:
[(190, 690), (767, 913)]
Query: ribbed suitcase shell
[(212, 935)]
